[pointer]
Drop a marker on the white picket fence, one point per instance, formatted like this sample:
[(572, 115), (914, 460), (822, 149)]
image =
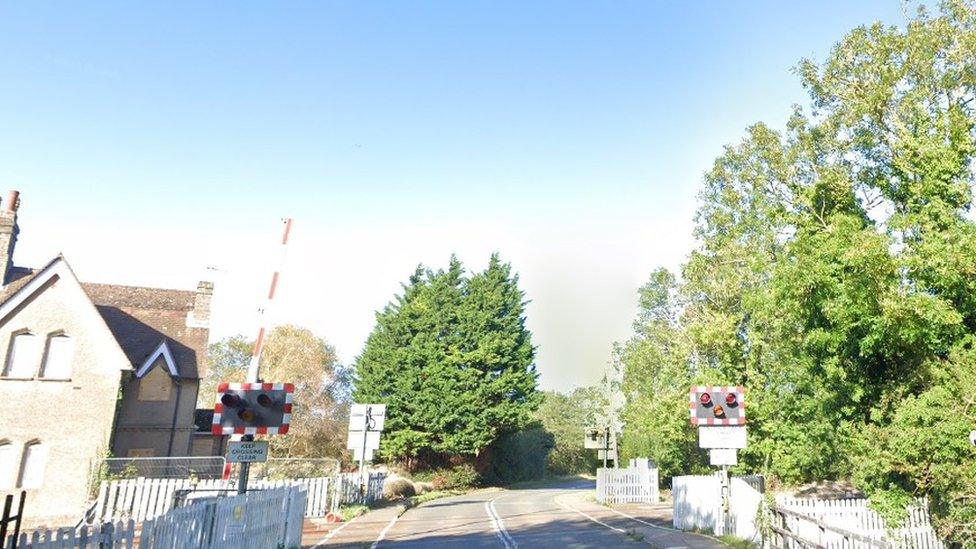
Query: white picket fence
[(249, 521), (635, 484), (141, 499), (854, 515), (120, 535)]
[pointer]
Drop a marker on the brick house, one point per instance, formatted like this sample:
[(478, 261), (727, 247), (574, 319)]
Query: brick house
[(91, 369)]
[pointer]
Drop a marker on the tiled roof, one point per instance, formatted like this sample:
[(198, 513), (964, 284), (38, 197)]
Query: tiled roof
[(140, 318), (18, 278)]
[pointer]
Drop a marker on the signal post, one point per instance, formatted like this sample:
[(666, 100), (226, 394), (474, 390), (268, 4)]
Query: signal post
[(720, 414)]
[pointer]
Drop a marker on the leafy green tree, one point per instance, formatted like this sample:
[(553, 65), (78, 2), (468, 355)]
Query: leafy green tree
[(835, 280), (566, 417), (453, 361)]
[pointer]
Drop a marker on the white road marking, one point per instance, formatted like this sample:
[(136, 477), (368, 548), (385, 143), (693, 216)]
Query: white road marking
[(328, 536), (596, 520), (643, 521), (384, 531), (498, 526)]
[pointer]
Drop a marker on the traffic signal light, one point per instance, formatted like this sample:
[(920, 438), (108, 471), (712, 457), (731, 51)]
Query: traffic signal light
[(252, 408), (717, 405), (594, 438)]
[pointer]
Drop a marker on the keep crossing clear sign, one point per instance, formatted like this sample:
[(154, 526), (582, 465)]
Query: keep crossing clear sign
[(243, 451)]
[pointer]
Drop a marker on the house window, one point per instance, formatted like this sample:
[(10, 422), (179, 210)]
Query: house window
[(155, 386), (57, 357), (22, 356), (6, 465), (32, 465)]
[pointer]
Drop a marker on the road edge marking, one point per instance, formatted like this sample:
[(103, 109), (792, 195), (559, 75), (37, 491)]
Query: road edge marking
[(330, 534), (384, 531), (568, 507)]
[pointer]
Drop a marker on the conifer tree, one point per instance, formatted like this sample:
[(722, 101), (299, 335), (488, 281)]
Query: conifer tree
[(452, 360)]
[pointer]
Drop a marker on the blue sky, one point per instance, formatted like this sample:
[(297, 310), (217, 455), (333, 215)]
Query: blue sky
[(152, 140)]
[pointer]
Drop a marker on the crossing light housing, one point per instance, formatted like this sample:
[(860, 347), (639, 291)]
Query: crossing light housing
[(252, 408), (717, 405)]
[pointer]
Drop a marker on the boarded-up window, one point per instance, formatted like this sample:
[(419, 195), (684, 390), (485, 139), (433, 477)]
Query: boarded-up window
[(7, 461), (24, 356), (32, 466), (141, 453), (156, 385), (57, 357)]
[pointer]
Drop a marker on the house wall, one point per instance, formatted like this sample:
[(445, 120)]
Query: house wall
[(145, 426), (71, 418)]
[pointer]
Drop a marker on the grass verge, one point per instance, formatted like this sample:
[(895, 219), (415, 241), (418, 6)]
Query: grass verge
[(349, 512)]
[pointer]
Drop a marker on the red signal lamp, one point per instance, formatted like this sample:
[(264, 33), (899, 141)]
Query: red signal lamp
[(705, 399), (719, 412), (265, 400), (731, 399), (230, 400)]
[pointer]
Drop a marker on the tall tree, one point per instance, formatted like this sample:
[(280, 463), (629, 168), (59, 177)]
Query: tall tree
[(453, 361), (835, 278)]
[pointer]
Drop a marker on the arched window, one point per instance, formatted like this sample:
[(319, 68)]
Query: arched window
[(23, 355), (32, 465), (6, 465), (57, 357)]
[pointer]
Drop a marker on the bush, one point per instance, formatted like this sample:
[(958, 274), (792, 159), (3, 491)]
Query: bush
[(519, 456), (458, 477), (462, 477), (400, 488)]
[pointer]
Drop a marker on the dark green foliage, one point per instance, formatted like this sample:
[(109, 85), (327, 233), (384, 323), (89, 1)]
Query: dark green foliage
[(565, 417), (453, 361), (836, 280), (519, 456)]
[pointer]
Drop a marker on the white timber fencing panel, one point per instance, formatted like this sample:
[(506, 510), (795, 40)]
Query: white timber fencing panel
[(141, 499), (256, 520), (348, 489), (119, 535), (855, 515), (697, 504), (635, 484)]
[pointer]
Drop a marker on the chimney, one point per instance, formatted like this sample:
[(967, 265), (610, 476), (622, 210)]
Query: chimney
[(200, 315), (8, 233)]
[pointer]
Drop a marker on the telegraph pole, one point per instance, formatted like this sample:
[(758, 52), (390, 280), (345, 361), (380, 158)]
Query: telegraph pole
[(254, 366)]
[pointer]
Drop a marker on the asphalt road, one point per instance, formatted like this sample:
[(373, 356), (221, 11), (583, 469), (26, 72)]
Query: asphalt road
[(558, 516)]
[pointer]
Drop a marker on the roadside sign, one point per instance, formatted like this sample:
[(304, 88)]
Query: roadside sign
[(359, 439), (723, 456), (247, 451), (356, 454), (596, 439), (358, 417), (731, 436)]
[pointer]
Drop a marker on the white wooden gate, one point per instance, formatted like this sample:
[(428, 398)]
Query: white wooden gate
[(635, 484), (256, 520)]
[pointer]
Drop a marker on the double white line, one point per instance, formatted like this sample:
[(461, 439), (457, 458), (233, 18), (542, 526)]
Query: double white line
[(498, 526)]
